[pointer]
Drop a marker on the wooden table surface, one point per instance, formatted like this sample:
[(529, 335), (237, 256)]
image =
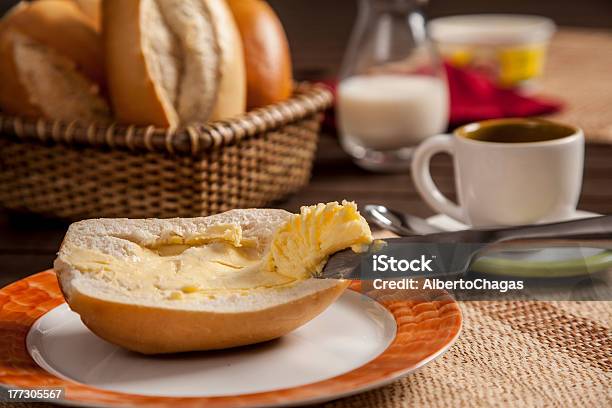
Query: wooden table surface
[(28, 244)]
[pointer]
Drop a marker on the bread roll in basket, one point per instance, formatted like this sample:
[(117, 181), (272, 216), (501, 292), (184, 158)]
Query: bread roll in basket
[(163, 133)]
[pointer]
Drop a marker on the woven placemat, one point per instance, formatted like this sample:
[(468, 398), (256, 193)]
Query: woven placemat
[(578, 72), (517, 354)]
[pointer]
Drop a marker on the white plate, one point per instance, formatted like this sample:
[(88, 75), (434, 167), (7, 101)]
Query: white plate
[(362, 329)]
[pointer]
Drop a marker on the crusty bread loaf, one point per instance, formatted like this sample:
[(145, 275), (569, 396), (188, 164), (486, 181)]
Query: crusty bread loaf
[(145, 320), (173, 62), (51, 63), (267, 56)]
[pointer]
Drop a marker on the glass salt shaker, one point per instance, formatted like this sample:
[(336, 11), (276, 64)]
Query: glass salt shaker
[(392, 92)]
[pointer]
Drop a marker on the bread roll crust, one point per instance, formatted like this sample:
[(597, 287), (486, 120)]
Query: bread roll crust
[(141, 94), (61, 26), (151, 330), (267, 54), (232, 98), (91, 8), (58, 30), (132, 91), (14, 98)]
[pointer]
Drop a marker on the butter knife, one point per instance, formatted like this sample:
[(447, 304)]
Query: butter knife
[(451, 253)]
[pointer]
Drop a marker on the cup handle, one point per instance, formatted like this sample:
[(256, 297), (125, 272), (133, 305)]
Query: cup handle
[(422, 176)]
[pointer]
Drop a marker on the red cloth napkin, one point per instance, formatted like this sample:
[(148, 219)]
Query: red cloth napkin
[(474, 97)]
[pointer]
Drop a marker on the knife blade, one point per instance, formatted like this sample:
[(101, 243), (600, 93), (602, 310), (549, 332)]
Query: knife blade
[(451, 253)]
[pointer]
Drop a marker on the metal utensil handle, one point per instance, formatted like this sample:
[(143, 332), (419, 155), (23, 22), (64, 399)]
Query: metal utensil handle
[(585, 241), (579, 232)]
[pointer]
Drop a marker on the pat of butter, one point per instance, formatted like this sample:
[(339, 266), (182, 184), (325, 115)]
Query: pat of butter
[(302, 246), (231, 233)]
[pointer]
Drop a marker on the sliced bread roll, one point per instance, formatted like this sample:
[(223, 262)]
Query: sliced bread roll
[(163, 286), (51, 63), (173, 62)]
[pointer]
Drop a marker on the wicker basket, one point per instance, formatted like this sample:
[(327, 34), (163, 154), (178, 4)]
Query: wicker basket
[(78, 171)]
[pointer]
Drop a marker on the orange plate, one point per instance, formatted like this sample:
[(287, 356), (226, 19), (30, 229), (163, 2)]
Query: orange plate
[(427, 324)]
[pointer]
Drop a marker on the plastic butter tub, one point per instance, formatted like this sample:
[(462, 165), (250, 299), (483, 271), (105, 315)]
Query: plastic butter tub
[(510, 48)]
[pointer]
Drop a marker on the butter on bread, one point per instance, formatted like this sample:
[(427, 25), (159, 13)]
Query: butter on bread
[(161, 286), (302, 245)]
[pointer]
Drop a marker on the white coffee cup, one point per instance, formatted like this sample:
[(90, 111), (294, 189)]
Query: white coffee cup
[(507, 172)]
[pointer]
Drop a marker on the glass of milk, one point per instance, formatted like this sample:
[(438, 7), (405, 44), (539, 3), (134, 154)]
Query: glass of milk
[(392, 93)]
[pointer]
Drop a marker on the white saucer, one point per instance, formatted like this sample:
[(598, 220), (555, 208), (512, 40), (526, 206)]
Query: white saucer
[(446, 223), (538, 263), (362, 329)]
